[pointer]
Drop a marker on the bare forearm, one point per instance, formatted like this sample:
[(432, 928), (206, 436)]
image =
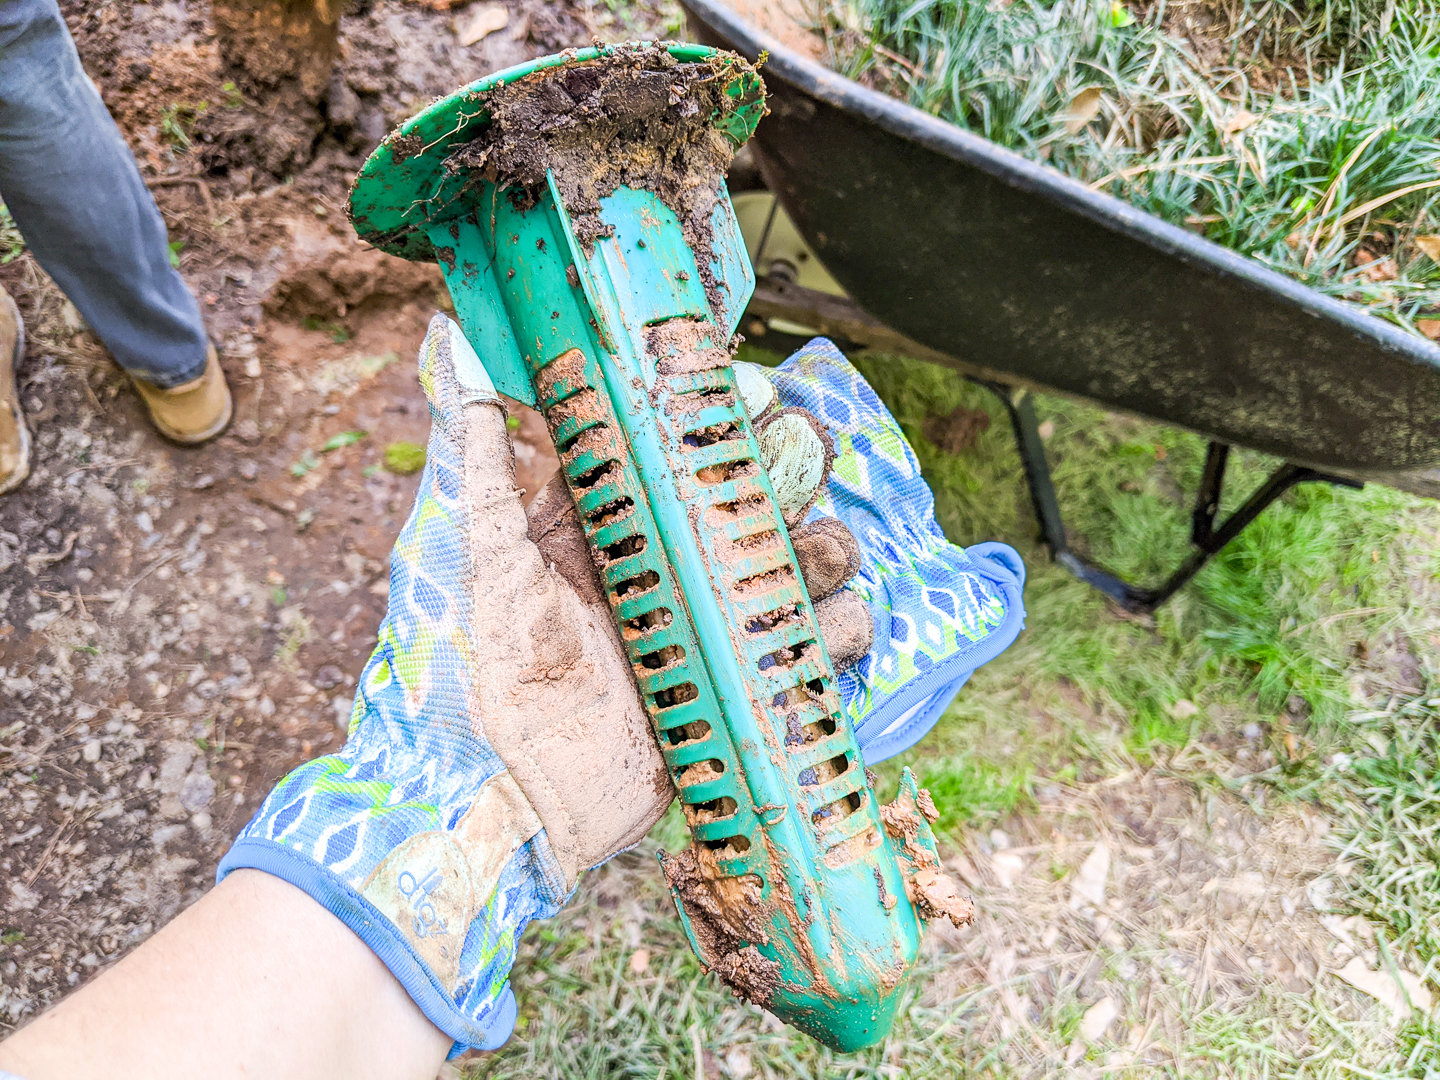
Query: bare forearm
[(255, 980)]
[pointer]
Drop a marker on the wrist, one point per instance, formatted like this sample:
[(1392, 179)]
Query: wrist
[(244, 983)]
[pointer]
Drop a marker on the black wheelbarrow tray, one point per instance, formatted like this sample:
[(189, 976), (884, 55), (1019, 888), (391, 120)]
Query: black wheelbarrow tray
[(1025, 279)]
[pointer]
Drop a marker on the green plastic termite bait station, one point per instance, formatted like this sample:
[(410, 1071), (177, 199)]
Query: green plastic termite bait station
[(577, 207)]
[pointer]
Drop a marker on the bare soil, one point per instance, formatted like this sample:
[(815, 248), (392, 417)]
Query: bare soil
[(180, 627)]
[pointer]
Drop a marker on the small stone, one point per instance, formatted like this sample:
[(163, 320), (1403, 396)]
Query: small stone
[(203, 482), (738, 1063), (1184, 709), (1007, 867), (145, 521), (248, 470), (639, 961), (179, 754), (328, 676), (163, 834), (200, 822), (91, 753), (1252, 731), (197, 791), (252, 368)]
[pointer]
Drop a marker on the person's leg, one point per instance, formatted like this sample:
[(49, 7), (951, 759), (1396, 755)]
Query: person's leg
[(76, 195)]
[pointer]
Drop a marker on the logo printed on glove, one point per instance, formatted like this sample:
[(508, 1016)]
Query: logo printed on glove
[(428, 922)]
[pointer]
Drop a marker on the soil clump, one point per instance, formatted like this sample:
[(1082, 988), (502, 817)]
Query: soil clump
[(728, 919), (636, 117)]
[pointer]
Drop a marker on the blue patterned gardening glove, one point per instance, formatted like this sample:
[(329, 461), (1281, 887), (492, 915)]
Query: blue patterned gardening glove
[(497, 745), (939, 611)]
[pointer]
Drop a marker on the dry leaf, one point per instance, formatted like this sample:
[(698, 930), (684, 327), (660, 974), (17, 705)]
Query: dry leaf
[(1429, 327), (1380, 269), (1430, 245), (474, 24), (1084, 107), (1007, 867), (737, 1061), (1239, 121), (1089, 884), (1097, 1019), (1383, 988)]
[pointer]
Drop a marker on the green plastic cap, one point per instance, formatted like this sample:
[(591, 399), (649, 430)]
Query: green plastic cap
[(404, 187)]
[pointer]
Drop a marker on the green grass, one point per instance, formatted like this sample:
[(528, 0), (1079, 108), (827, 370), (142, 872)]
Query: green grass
[(1267, 634), (1391, 829), (12, 244), (1313, 135)]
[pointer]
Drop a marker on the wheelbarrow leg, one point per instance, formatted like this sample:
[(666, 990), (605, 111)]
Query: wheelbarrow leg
[(1206, 538)]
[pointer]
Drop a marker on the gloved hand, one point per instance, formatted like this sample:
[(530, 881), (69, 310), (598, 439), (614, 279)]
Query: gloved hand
[(497, 745), (939, 611)]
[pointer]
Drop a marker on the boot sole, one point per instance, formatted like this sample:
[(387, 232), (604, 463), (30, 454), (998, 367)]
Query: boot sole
[(22, 471)]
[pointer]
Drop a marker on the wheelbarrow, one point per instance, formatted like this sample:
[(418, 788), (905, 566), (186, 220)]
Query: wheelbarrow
[(952, 249)]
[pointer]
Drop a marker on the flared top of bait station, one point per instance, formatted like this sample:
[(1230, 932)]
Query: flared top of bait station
[(405, 186)]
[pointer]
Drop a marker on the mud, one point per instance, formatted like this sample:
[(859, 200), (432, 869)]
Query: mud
[(753, 977), (636, 118), (334, 280), (828, 555), (677, 345), (728, 918), (554, 527), (847, 626), (785, 20), (932, 892), (957, 431), (938, 897)]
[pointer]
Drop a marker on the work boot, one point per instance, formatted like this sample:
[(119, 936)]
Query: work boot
[(194, 411), (14, 436)]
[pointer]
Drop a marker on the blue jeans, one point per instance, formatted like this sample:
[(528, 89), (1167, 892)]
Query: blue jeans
[(76, 195)]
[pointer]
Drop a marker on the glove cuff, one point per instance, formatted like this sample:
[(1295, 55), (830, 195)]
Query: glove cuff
[(480, 1011), (907, 715)]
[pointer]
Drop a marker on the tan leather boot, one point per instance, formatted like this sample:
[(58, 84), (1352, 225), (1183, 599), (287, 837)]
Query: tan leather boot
[(14, 436), (191, 412)]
